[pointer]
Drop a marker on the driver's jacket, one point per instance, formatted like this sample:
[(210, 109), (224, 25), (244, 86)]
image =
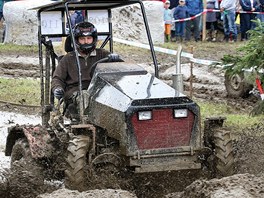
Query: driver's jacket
[(66, 73)]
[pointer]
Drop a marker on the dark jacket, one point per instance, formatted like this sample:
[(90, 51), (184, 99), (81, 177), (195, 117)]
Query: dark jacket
[(261, 8), (246, 5), (194, 6), (66, 74), (180, 12)]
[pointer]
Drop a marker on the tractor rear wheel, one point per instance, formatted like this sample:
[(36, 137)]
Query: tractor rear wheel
[(75, 174), (223, 151)]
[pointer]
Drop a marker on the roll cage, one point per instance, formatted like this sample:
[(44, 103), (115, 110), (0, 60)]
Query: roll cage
[(53, 19)]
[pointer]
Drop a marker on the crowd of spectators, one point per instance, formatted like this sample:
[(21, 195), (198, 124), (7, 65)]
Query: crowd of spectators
[(229, 14)]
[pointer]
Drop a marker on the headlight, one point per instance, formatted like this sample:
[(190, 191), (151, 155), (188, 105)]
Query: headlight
[(180, 113), (144, 115)]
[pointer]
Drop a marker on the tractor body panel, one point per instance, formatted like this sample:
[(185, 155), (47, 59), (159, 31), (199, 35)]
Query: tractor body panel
[(115, 100)]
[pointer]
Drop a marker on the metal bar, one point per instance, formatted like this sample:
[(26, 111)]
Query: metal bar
[(163, 155), (178, 77), (191, 76), (110, 29), (150, 40), (78, 65), (41, 72)]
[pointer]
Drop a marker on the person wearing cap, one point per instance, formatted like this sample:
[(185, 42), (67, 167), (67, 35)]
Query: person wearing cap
[(211, 20), (180, 12), (167, 17), (65, 80)]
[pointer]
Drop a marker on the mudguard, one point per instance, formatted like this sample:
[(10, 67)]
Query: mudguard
[(37, 137)]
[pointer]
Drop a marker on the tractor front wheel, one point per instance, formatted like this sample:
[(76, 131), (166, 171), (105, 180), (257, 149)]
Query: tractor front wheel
[(76, 161), (223, 153)]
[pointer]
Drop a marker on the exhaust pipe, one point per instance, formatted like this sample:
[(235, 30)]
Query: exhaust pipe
[(177, 79)]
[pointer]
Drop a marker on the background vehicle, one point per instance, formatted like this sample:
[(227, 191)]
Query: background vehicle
[(242, 84), (129, 119)]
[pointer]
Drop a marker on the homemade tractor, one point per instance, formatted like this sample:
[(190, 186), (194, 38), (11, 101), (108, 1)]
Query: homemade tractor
[(129, 119)]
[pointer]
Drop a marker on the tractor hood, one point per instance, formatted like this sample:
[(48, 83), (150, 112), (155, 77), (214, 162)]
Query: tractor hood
[(120, 84)]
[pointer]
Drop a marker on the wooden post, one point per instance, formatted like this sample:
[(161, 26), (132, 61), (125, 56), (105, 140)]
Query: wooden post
[(204, 22), (191, 75)]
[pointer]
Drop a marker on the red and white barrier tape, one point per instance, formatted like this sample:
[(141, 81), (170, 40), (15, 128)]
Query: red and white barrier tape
[(212, 10), (259, 86)]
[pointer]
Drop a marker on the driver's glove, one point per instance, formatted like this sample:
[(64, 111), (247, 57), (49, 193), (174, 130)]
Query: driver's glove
[(58, 93), (114, 58)]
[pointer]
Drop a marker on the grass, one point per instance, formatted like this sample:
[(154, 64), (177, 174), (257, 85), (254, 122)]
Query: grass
[(234, 118), (18, 49), (20, 91)]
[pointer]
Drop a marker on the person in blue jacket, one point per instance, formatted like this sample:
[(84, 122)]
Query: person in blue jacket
[(246, 18), (194, 7), (2, 2), (180, 12)]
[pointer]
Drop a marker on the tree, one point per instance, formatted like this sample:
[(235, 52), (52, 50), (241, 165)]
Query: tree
[(251, 55)]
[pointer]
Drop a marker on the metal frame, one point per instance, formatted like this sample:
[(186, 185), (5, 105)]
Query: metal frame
[(46, 101)]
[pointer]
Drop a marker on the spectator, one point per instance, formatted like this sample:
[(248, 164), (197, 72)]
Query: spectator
[(167, 20), (2, 2), (261, 9), (211, 20), (180, 12), (173, 28), (76, 17), (174, 4), (238, 9), (246, 18), (228, 8), (194, 7)]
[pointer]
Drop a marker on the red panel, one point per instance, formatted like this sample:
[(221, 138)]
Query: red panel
[(163, 131)]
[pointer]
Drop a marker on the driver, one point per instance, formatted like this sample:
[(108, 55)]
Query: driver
[(65, 79)]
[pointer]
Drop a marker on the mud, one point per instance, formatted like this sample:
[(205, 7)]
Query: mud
[(249, 149), (236, 186)]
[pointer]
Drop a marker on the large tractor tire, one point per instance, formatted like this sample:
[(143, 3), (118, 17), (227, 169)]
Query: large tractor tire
[(20, 151), (223, 153), (75, 174), (236, 86)]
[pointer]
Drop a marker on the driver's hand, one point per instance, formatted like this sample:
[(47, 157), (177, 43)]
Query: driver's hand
[(58, 93), (114, 57)]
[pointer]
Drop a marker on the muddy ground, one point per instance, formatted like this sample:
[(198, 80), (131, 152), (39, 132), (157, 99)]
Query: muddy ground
[(208, 84)]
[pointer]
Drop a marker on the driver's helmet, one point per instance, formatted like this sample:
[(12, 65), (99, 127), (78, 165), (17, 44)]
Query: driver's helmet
[(85, 29)]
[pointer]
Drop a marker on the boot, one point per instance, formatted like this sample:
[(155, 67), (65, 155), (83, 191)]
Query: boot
[(226, 38), (166, 38), (214, 34), (181, 39), (208, 35)]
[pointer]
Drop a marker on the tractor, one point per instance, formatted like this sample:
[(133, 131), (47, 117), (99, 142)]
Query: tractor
[(129, 118)]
